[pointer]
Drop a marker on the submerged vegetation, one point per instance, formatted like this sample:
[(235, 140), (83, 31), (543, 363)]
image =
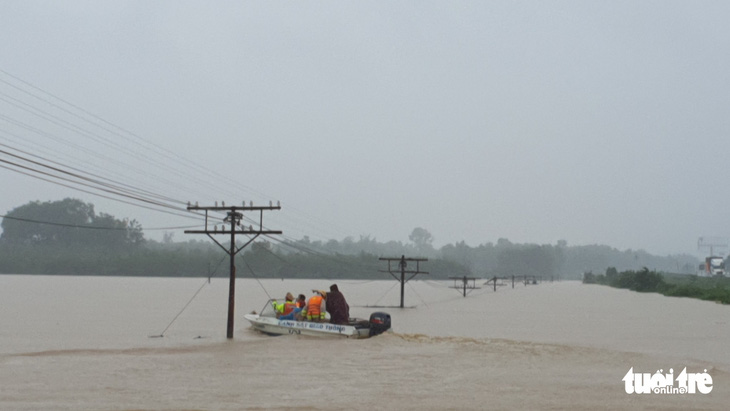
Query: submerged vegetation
[(704, 288)]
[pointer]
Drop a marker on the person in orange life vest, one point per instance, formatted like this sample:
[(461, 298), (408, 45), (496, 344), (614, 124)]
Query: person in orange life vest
[(286, 307), (301, 301), (316, 307), (296, 313)]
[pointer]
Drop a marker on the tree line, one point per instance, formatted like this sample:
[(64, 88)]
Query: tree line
[(644, 280), (80, 241)]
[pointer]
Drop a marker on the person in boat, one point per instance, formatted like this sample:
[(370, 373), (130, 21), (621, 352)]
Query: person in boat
[(337, 306), (298, 313), (315, 309), (301, 301), (295, 314), (286, 307)]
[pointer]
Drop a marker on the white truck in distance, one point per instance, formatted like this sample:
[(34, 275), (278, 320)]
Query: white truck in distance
[(713, 266)]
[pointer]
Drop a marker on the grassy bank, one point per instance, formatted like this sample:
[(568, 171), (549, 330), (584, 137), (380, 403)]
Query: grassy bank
[(673, 285)]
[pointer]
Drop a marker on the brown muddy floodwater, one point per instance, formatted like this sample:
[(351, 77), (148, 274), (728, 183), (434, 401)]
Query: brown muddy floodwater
[(87, 343)]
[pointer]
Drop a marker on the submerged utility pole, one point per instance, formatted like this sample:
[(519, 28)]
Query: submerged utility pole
[(468, 283), (402, 264), (233, 218)]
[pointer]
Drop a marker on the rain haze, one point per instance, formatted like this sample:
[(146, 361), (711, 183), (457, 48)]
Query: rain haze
[(589, 122)]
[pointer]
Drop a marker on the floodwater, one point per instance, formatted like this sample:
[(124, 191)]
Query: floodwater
[(93, 343)]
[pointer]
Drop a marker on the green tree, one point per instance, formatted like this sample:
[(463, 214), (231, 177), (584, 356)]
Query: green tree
[(422, 239), (69, 222)]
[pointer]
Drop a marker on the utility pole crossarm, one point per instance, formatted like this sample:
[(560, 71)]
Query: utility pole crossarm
[(402, 264), (243, 208), (246, 232), (233, 220), (468, 283)]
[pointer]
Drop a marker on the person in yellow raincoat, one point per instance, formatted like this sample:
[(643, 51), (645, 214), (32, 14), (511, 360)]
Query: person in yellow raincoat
[(286, 307)]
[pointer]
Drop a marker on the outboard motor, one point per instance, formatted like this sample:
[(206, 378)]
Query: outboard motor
[(379, 323)]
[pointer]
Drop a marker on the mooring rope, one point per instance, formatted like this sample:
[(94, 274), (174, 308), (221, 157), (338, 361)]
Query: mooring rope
[(207, 281)]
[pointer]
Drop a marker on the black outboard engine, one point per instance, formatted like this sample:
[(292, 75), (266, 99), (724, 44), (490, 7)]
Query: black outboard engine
[(379, 323)]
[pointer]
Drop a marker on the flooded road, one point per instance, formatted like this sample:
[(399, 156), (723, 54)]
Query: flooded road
[(93, 343)]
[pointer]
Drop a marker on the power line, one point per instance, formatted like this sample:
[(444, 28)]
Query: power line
[(97, 194), (310, 251), (118, 184), (104, 129), (119, 189), (117, 192), (117, 131), (108, 160), (124, 135), (89, 227)]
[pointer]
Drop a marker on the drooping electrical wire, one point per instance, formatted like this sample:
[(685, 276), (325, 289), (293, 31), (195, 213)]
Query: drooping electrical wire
[(121, 139), (101, 195), (90, 227)]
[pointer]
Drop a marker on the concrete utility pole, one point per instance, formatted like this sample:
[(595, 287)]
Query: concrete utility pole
[(233, 218), (713, 244), (402, 264), (467, 283)]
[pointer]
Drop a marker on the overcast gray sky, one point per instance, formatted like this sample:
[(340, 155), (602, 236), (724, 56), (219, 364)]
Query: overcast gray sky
[(592, 122)]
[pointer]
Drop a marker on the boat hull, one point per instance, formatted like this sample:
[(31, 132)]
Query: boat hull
[(274, 326)]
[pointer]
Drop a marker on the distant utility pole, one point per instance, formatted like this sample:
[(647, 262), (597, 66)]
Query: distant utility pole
[(402, 264), (467, 283), (233, 218), (712, 243)]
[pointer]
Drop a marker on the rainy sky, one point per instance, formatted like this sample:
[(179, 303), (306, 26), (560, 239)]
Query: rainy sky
[(601, 122)]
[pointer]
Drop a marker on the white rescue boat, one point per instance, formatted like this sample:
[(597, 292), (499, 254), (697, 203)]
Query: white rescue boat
[(267, 323)]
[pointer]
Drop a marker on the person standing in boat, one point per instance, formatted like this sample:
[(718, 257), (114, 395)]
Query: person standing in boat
[(286, 307), (337, 306)]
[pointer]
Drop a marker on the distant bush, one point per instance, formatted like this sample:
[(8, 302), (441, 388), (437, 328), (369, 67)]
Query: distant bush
[(589, 278), (718, 294), (644, 280)]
